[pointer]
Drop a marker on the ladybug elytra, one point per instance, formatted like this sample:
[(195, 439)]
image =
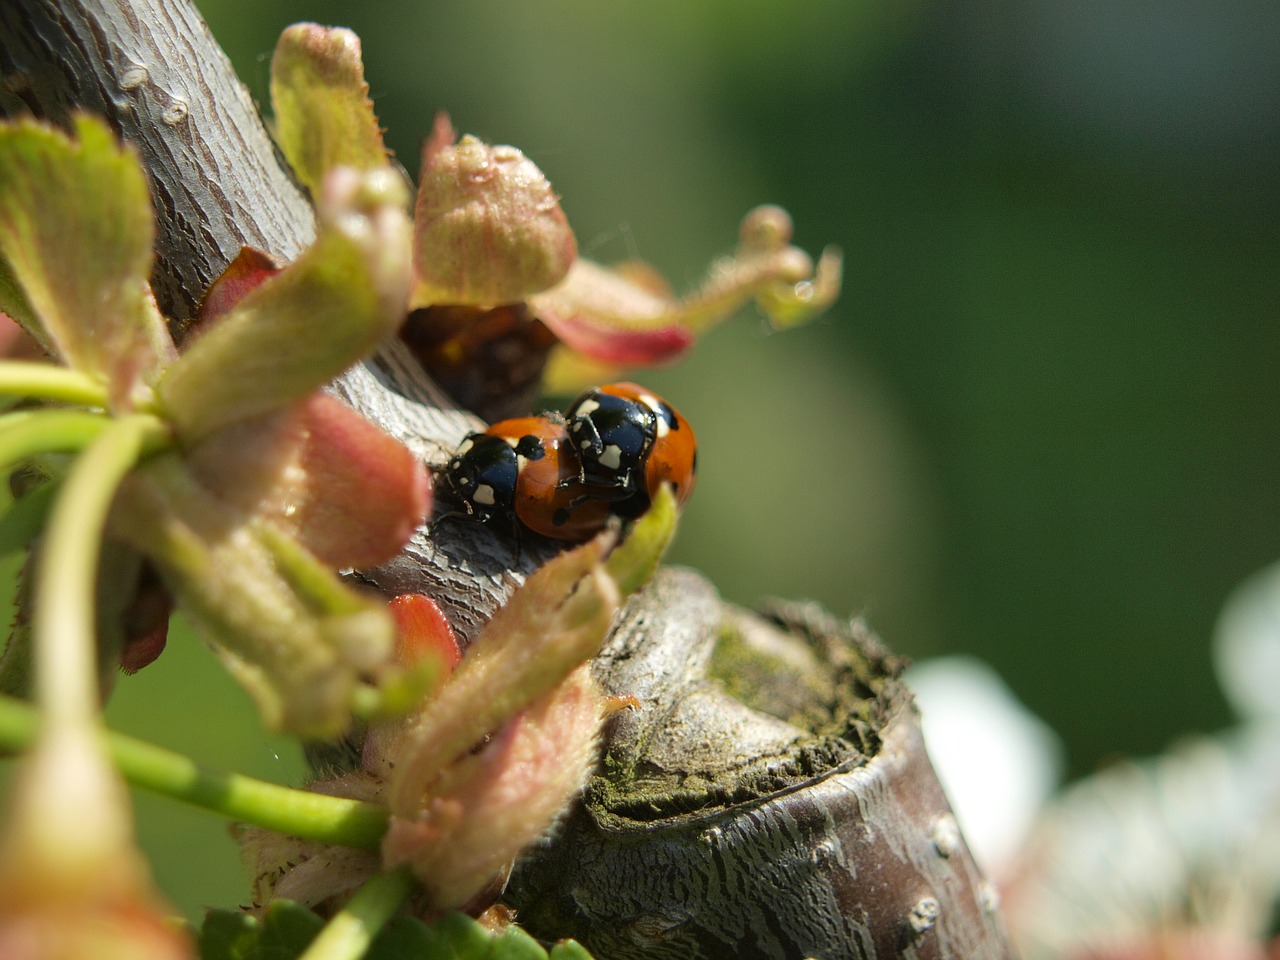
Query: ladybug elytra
[(630, 440), (566, 479)]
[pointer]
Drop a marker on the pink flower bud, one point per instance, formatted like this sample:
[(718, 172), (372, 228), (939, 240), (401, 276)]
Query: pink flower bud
[(488, 228)]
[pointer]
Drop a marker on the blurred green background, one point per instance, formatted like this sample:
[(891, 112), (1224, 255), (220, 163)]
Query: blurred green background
[(1039, 426)]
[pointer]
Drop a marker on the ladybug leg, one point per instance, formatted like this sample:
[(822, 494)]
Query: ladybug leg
[(448, 515), (464, 515), (468, 517), (597, 491)]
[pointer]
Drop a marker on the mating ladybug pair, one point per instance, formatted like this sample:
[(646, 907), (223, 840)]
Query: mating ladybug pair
[(565, 477)]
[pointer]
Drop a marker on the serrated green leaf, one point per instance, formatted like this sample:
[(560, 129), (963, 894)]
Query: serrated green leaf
[(569, 950), (298, 330), (76, 236), (14, 303), (324, 118), (227, 935), (283, 933)]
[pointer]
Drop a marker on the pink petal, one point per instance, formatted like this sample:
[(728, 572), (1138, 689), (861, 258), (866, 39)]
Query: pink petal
[(422, 630), (146, 625), (250, 268), (366, 493), (616, 344)]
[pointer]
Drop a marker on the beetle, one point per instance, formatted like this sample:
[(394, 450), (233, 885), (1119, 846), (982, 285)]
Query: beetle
[(630, 441), (523, 471), (568, 477)]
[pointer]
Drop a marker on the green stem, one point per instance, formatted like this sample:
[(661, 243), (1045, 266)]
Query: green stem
[(348, 934), (31, 432), (63, 608), (47, 382), (298, 813)]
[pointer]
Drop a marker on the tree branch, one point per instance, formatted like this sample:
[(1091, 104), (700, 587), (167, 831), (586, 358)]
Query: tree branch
[(803, 820)]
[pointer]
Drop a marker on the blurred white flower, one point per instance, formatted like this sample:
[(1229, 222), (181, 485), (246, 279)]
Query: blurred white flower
[(997, 761), (1186, 842), (1247, 646), (1176, 857)]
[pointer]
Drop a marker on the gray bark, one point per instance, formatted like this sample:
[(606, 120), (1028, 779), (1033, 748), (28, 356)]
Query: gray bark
[(797, 817)]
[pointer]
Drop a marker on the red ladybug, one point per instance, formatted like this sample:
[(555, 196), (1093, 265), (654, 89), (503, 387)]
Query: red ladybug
[(524, 470), (631, 441), (567, 479), (550, 497)]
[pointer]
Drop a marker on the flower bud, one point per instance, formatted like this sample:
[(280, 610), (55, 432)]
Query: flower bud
[(72, 884), (488, 228), (324, 118)]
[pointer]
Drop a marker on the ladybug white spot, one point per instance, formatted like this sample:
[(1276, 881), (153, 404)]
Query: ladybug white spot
[(611, 457), (484, 495)]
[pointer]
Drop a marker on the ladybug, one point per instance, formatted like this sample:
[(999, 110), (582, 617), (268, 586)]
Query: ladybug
[(567, 478), (629, 441), (525, 470), (483, 476), (551, 498)]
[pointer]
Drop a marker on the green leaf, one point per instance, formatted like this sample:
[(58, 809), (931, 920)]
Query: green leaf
[(633, 563), (22, 520), (298, 639), (455, 936), (569, 950), (514, 944), (324, 118), (402, 937), (287, 930), (298, 330), (284, 933), (17, 664), (227, 935), (76, 235)]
